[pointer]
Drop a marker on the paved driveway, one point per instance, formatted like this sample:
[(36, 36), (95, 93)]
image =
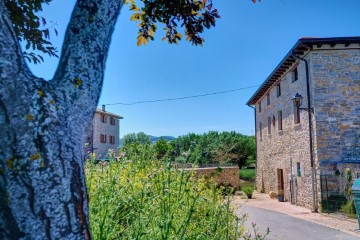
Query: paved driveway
[(286, 227)]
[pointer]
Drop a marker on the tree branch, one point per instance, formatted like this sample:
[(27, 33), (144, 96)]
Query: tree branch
[(78, 79)]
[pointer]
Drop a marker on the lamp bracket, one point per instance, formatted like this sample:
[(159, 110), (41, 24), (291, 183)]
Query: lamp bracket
[(307, 109)]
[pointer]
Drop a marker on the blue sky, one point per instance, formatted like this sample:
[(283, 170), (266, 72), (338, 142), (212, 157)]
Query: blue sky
[(241, 51)]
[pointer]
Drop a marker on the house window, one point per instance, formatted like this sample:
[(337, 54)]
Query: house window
[(296, 114), (268, 98), (295, 75), (260, 131), (112, 120), (273, 120), (269, 125), (298, 169), (259, 106), (278, 90), (103, 138), (103, 118), (112, 139), (280, 125)]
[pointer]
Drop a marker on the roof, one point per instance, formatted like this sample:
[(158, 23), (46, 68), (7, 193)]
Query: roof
[(98, 110), (302, 46)]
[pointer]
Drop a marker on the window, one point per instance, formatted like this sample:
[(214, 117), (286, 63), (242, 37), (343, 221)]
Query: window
[(268, 98), (269, 125), (112, 120), (259, 106), (103, 118), (103, 138), (298, 169), (295, 75), (278, 90), (112, 139), (296, 114), (280, 126), (260, 131), (273, 120)]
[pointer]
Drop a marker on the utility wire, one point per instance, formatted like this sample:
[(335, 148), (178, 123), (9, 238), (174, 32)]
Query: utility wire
[(181, 98)]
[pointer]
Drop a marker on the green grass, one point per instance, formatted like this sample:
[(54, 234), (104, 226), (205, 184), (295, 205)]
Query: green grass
[(247, 175), (247, 184)]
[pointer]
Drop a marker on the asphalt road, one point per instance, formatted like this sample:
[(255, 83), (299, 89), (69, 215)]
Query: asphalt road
[(285, 227)]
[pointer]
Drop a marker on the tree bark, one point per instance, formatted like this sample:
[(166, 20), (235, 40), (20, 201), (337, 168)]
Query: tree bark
[(42, 125)]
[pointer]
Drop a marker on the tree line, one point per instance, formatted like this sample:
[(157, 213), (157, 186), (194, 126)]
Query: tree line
[(219, 148)]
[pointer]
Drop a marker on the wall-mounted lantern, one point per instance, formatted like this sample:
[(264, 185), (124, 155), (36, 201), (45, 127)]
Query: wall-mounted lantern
[(297, 100)]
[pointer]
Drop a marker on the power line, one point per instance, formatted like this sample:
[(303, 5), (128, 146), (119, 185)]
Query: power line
[(181, 98)]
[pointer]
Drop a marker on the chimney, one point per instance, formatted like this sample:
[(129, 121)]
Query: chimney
[(103, 107)]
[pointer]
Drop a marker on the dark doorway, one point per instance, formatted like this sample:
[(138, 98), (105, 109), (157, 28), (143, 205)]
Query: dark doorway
[(280, 181)]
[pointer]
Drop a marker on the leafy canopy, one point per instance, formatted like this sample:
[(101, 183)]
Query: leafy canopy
[(30, 27), (193, 16), (140, 137), (216, 148)]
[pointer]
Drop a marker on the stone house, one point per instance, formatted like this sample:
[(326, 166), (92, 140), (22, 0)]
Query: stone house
[(103, 133), (303, 151)]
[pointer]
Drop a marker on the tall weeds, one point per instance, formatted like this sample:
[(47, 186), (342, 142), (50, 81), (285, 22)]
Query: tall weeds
[(142, 199)]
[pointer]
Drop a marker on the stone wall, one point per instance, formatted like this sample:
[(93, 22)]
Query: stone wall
[(283, 149), (336, 76), (220, 175), (336, 90), (335, 95)]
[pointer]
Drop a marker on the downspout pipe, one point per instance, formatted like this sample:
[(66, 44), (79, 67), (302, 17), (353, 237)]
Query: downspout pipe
[(255, 142), (292, 192), (314, 206)]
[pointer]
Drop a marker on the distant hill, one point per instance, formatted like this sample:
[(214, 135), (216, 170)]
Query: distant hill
[(154, 139)]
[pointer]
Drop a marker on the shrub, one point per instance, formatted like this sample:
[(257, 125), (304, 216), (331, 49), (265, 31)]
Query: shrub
[(349, 209), (248, 191), (247, 175), (217, 148), (137, 152), (140, 137), (162, 148), (151, 200), (226, 189)]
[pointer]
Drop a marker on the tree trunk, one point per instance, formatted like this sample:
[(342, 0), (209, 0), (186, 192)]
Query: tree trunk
[(42, 124)]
